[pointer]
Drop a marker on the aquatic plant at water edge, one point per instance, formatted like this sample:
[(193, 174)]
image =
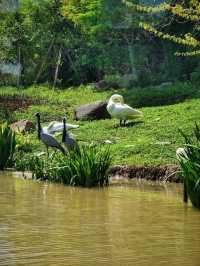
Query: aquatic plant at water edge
[(190, 165), (87, 167), (7, 144)]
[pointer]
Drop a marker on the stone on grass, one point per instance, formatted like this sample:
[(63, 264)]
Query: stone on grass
[(22, 126), (92, 111)]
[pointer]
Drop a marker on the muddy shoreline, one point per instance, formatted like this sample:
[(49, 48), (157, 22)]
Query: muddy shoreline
[(167, 173)]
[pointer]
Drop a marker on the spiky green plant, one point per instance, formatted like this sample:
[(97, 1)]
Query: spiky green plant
[(87, 167), (190, 165), (7, 144)]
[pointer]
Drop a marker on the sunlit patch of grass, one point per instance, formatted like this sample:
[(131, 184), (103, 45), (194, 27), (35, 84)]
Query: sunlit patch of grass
[(149, 141)]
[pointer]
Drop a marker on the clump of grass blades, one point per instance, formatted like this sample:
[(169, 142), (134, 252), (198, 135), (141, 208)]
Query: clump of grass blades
[(7, 145), (190, 165), (87, 167)]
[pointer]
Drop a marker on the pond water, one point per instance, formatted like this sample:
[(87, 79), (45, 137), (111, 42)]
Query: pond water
[(129, 224)]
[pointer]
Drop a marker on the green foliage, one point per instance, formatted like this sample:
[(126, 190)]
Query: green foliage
[(190, 165), (33, 35), (87, 167), (6, 115), (94, 38), (187, 11), (161, 95), (7, 145), (195, 76), (97, 18)]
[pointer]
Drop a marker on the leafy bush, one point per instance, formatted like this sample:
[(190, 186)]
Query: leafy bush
[(7, 144), (190, 165), (87, 167), (6, 79), (160, 95)]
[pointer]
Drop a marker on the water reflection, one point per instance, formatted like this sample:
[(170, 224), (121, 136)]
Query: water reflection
[(127, 224)]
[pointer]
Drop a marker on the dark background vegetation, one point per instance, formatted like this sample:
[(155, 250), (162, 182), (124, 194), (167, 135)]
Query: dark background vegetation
[(90, 43)]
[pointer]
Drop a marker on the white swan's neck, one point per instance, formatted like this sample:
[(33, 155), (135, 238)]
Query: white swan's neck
[(111, 103)]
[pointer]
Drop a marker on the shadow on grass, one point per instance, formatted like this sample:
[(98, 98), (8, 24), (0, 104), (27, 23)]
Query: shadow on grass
[(129, 124), (133, 123)]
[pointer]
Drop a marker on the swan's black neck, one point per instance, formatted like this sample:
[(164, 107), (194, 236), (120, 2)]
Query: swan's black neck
[(64, 130), (39, 128)]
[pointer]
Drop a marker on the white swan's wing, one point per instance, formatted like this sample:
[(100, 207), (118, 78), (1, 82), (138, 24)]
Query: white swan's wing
[(131, 111), (71, 126), (124, 111), (45, 130), (54, 127), (57, 127)]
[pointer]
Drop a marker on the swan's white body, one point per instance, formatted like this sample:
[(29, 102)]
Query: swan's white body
[(55, 126), (118, 109)]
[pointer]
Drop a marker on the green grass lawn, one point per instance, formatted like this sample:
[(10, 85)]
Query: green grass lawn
[(149, 141)]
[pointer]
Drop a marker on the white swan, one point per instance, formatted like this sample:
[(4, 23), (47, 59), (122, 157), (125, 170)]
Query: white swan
[(55, 126), (118, 109)]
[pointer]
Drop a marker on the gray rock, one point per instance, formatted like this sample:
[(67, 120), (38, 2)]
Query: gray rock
[(22, 126), (92, 111)]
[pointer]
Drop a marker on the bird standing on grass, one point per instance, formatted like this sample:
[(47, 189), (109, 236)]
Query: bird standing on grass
[(47, 139), (118, 109), (69, 142)]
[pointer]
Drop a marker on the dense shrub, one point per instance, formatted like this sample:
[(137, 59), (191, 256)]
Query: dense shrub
[(161, 95), (7, 145), (195, 76), (6, 115)]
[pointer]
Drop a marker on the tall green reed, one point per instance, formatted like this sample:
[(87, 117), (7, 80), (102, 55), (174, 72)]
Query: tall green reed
[(7, 145), (190, 165), (87, 167)]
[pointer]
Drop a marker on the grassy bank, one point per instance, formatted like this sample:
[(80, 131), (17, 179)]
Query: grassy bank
[(150, 141)]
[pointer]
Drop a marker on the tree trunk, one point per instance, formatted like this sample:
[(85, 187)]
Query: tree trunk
[(19, 62), (57, 67)]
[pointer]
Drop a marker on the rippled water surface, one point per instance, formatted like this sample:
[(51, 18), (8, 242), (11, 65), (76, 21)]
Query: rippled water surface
[(48, 224)]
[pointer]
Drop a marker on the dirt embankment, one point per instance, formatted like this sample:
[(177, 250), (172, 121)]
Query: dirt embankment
[(170, 173), (15, 102)]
